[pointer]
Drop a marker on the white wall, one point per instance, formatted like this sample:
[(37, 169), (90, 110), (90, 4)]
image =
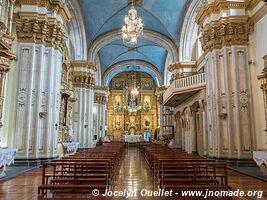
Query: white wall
[(258, 48)]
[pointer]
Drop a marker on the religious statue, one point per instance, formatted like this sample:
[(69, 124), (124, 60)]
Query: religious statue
[(117, 124)]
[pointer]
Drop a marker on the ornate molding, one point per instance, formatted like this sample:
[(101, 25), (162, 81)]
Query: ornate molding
[(40, 29), (83, 80), (181, 65), (101, 88), (100, 98), (217, 6), (51, 5), (84, 64), (225, 32)]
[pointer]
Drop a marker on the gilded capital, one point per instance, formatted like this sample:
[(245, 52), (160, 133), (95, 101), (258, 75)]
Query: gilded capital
[(40, 29), (83, 80), (222, 33), (100, 98)]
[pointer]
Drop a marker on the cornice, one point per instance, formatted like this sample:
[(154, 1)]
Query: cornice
[(181, 65), (51, 5), (219, 5), (84, 64), (101, 88)]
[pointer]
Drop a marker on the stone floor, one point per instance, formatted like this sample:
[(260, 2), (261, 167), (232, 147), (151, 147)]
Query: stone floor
[(132, 174)]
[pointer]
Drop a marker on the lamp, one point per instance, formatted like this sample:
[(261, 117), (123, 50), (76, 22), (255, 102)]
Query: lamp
[(133, 27)]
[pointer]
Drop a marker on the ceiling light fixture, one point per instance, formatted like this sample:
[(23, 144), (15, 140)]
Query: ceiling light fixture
[(133, 27)]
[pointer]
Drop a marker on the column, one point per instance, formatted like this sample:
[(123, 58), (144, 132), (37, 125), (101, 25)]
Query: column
[(160, 108), (229, 104), (41, 41), (83, 83), (100, 105)]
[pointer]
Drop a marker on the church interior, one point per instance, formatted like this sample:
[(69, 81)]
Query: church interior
[(133, 99)]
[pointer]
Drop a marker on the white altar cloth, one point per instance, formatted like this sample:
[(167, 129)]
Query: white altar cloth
[(132, 138), (71, 147), (66, 149), (7, 157), (260, 157)]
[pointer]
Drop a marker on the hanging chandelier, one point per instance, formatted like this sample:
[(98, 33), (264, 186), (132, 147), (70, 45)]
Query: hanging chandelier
[(133, 27)]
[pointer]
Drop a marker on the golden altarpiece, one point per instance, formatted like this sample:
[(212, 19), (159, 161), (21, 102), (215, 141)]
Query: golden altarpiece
[(128, 113)]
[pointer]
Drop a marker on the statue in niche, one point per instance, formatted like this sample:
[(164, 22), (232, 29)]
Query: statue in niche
[(117, 124)]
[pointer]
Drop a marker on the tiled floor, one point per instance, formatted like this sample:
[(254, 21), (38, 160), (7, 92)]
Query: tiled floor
[(132, 174)]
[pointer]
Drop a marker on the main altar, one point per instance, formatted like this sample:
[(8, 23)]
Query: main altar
[(132, 107)]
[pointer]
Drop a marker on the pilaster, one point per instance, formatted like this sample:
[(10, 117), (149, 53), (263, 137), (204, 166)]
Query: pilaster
[(100, 105), (159, 93), (84, 83)]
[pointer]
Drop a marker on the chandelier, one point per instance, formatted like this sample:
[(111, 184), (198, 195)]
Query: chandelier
[(132, 104), (133, 27)]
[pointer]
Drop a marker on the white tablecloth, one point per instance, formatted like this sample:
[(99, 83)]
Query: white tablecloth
[(7, 156), (132, 138), (260, 157), (71, 147)]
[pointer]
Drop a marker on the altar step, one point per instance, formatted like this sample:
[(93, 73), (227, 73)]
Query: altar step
[(132, 144)]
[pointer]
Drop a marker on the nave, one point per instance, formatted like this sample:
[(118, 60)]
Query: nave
[(133, 174)]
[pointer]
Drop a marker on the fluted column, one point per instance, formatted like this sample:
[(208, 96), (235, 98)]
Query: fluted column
[(41, 41), (159, 93), (100, 105), (83, 83), (229, 105), (181, 69)]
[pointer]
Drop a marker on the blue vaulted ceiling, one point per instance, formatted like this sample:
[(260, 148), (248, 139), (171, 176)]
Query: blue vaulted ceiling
[(161, 16)]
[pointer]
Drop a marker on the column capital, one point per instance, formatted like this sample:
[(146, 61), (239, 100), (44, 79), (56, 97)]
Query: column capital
[(221, 26), (40, 29), (83, 80), (228, 32), (181, 69), (59, 6), (100, 98)]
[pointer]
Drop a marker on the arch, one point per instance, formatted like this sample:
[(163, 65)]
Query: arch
[(189, 32), (123, 66), (155, 37), (77, 34)]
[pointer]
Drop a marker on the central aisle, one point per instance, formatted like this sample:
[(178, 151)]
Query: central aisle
[(133, 173)]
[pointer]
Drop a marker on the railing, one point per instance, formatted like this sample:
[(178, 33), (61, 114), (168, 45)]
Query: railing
[(184, 85)]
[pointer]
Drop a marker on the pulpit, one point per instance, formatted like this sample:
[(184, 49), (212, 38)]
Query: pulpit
[(6, 158)]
